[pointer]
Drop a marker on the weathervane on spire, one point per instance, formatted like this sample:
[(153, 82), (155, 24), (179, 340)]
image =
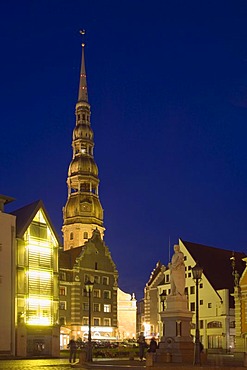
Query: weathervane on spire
[(82, 32)]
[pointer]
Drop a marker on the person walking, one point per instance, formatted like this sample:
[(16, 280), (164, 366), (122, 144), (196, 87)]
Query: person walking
[(72, 349), (142, 345), (153, 345)]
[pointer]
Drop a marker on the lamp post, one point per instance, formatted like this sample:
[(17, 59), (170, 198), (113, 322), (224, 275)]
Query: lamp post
[(89, 289), (197, 275), (162, 299)]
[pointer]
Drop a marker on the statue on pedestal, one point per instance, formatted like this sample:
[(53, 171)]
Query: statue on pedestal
[(177, 272)]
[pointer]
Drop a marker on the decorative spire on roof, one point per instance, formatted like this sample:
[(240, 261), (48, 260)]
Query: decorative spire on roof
[(82, 95)]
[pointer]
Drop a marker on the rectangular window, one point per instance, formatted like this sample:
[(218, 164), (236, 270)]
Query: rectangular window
[(201, 324), (192, 290), (105, 280), (96, 307), (201, 285), (96, 279), (85, 307), (201, 302), (63, 290), (38, 230), (62, 305), (192, 306), (86, 278), (167, 278), (62, 276), (107, 322), (107, 294), (209, 305), (96, 293), (85, 321), (96, 321), (215, 341), (189, 274), (107, 308)]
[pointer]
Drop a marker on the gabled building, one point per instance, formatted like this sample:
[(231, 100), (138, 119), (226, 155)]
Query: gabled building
[(36, 295), (91, 262), (216, 304), (29, 282)]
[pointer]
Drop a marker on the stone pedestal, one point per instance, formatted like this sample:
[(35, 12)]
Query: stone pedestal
[(176, 343)]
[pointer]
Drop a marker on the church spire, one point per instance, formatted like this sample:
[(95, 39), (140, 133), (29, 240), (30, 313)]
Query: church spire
[(83, 212), (82, 95)]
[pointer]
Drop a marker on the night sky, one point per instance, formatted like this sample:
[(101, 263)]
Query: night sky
[(167, 84)]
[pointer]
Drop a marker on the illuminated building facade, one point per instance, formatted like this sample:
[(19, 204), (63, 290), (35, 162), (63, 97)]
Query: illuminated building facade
[(216, 304), (85, 254), (126, 315), (7, 279), (36, 290), (240, 297)]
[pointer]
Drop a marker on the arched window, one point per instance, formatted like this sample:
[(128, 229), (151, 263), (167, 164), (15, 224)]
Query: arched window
[(214, 324)]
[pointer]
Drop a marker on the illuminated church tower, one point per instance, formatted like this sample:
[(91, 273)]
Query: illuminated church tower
[(83, 212)]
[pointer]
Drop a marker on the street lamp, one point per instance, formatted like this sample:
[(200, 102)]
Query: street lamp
[(197, 275), (89, 289), (163, 299)]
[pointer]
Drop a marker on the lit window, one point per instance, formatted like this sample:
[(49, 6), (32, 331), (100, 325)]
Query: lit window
[(62, 305), (62, 290), (107, 308)]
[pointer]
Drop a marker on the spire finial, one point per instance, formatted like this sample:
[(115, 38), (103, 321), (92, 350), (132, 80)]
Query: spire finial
[(83, 32), (82, 96)]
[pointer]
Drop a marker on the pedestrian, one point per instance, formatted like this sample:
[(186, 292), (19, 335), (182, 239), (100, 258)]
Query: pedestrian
[(153, 345), (72, 349), (142, 345)]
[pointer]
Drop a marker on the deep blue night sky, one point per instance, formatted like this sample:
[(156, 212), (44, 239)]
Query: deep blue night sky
[(167, 83)]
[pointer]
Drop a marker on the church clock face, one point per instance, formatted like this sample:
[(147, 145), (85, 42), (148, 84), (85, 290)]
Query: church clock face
[(85, 207)]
